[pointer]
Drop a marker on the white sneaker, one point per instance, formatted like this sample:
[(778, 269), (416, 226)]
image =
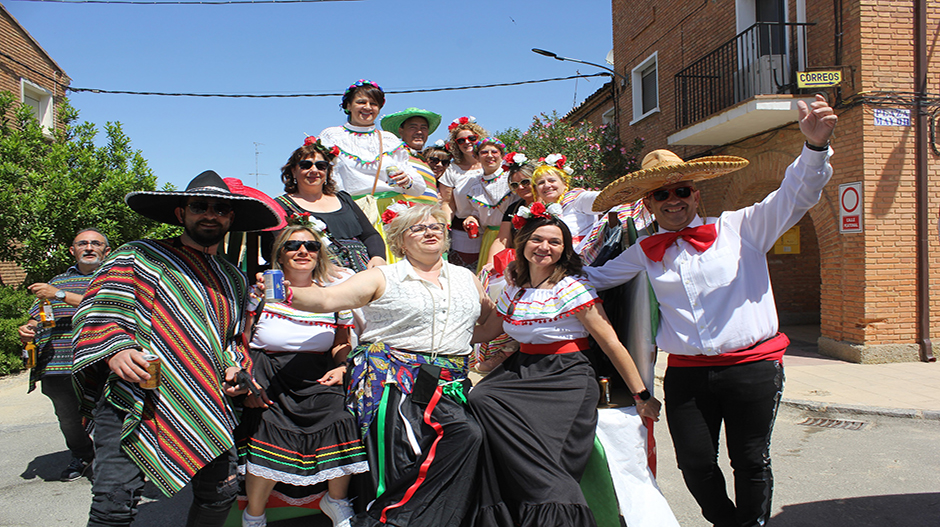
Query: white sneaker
[(254, 521), (340, 511)]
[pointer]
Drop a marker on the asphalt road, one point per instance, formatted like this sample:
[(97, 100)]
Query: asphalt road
[(885, 474)]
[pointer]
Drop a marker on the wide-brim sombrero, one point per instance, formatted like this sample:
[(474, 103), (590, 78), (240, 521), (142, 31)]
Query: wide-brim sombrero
[(236, 186), (661, 168), (392, 122), (251, 214)]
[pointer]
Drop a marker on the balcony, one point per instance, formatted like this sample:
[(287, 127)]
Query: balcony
[(745, 87)]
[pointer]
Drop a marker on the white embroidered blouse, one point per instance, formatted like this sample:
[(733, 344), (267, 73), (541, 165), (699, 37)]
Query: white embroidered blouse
[(546, 316), (359, 157)]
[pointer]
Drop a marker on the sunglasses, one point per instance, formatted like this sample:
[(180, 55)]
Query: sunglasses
[(469, 139), (85, 243), (521, 183), (312, 246), (435, 228), (512, 304), (663, 194), (200, 207), (306, 164), (437, 161)]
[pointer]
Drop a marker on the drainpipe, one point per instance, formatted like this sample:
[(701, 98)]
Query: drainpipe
[(920, 170)]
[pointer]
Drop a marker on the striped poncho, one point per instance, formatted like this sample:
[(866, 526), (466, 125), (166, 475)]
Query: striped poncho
[(186, 307)]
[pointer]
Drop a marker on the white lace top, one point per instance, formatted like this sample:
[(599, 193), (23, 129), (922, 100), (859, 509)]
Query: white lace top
[(418, 316), (359, 157), (546, 316)]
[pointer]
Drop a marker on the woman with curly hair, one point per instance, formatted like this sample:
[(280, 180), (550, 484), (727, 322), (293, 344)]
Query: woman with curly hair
[(310, 188), (464, 133)]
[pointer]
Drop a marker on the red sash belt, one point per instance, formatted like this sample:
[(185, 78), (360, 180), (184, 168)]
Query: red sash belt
[(555, 348), (770, 349)]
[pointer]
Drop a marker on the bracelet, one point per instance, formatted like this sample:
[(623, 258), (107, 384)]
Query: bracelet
[(645, 395), (824, 148)]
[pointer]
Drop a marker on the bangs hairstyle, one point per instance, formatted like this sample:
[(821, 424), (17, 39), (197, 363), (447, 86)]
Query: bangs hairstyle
[(549, 170), (437, 151), (324, 268), (490, 141), (287, 171), (373, 92), (569, 264), (526, 170), (398, 228), (455, 151)]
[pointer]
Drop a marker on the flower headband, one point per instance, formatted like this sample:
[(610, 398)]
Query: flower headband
[(459, 121), (537, 210), (304, 219), (559, 161), (352, 87), (320, 147), (514, 161), (394, 210), (489, 141)]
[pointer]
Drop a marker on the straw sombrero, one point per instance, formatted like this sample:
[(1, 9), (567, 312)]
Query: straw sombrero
[(392, 122), (660, 168)]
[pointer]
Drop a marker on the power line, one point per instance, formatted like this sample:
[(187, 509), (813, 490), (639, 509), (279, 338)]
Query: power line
[(183, 2)]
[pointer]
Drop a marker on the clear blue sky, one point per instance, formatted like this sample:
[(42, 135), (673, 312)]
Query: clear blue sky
[(318, 47)]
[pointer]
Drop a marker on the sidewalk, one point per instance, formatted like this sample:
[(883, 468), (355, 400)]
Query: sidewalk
[(817, 382)]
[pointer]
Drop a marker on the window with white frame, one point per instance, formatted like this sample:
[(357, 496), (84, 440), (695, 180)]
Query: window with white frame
[(40, 99), (645, 83)]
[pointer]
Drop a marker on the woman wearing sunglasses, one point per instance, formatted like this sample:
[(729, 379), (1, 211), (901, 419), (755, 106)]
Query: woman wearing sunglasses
[(541, 402), (310, 189), (299, 434), (438, 158), (409, 374), (520, 171), (464, 133)]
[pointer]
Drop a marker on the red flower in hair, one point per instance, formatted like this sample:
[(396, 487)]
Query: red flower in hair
[(464, 120), (334, 151), (310, 140), (518, 222), (538, 209), (451, 126), (388, 216)]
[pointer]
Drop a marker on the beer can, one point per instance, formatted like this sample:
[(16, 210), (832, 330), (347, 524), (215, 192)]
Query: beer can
[(274, 286), (473, 230), (153, 368), (605, 391)]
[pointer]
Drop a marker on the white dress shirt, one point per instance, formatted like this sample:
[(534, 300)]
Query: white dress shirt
[(720, 300)]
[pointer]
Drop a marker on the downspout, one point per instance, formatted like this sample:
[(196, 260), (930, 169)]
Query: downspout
[(921, 183)]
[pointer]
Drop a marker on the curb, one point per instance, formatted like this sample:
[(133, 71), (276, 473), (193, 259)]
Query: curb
[(820, 406)]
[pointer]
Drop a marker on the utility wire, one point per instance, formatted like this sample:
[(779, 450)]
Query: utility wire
[(183, 2)]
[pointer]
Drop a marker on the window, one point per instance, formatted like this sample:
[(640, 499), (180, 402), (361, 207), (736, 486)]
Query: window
[(40, 99), (645, 83)]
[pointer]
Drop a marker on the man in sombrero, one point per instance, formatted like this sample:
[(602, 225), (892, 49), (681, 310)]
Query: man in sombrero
[(413, 126), (719, 322), (179, 300)]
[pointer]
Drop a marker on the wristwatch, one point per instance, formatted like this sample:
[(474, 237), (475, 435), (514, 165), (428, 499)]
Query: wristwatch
[(645, 395), (60, 295)]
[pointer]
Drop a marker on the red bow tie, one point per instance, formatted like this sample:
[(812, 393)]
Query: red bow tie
[(701, 237)]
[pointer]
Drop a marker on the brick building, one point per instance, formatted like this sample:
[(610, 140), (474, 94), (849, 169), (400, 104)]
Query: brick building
[(30, 74), (719, 77)]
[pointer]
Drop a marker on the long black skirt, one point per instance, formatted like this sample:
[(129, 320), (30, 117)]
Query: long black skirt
[(428, 462), (539, 413), (307, 436)]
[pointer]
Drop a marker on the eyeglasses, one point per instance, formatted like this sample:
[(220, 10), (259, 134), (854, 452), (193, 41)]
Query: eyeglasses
[(85, 243), (438, 161), (521, 183), (435, 228), (306, 164), (512, 305), (469, 139), (220, 208), (663, 194), (312, 246)]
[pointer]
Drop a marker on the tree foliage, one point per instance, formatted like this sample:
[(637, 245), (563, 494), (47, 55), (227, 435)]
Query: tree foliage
[(52, 188), (594, 152)]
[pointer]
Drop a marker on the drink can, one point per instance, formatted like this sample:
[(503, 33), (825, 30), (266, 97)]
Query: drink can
[(153, 368), (473, 230), (274, 286), (605, 391), (391, 170)]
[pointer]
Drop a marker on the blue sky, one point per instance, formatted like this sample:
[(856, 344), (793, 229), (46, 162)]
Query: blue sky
[(317, 47)]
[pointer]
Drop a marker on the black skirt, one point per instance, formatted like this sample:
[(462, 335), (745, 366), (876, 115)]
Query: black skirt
[(539, 413)]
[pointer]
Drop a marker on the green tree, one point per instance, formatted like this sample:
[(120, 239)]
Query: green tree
[(52, 188), (594, 152)]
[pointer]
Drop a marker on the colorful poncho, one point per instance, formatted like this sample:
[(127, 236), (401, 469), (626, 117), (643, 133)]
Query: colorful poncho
[(186, 307)]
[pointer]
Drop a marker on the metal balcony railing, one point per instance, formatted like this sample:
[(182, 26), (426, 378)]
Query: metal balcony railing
[(761, 60)]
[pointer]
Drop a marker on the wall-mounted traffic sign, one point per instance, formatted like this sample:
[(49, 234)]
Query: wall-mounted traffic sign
[(850, 207)]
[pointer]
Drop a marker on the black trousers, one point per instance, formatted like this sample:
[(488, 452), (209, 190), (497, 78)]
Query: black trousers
[(745, 397), (58, 388)]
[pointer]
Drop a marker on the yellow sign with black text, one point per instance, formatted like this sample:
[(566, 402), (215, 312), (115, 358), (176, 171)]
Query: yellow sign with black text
[(789, 243), (818, 79)]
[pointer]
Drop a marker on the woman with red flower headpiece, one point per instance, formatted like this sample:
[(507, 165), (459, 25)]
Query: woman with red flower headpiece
[(539, 406), (464, 133), (310, 189)]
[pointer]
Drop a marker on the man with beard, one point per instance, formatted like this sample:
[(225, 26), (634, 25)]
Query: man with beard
[(54, 364), (179, 301)]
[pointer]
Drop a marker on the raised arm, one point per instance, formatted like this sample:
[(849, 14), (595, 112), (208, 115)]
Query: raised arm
[(356, 292)]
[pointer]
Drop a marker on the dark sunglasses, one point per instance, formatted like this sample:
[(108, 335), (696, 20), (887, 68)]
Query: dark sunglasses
[(663, 194), (306, 164), (521, 183), (512, 304), (221, 208), (469, 139), (312, 246), (437, 161)]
